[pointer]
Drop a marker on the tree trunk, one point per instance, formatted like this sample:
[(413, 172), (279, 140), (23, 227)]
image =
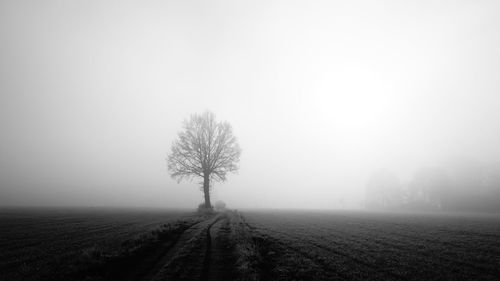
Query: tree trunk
[(206, 190)]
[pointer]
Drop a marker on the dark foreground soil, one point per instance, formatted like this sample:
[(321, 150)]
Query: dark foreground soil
[(289, 246), (203, 252)]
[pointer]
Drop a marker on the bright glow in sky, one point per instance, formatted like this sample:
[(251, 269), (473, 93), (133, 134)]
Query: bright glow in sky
[(320, 94)]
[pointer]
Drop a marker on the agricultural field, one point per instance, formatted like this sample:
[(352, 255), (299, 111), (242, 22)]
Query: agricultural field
[(378, 246), (98, 244), (36, 243)]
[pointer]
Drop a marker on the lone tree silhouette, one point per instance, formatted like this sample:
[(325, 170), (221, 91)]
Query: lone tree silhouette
[(205, 148)]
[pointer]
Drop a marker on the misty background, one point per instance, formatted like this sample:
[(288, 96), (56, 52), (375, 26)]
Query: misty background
[(320, 95)]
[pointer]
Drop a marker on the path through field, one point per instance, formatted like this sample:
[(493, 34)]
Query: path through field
[(202, 252), (219, 260)]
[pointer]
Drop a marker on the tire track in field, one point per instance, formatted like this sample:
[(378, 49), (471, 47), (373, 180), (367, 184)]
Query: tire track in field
[(381, 225), (161, 269), (398, 245), (327, 265), (208, 252), (285, 249), (220, 259), (478, 269), (169, 254), (357, 260), (278, 246), (452, 257), (198, 254)]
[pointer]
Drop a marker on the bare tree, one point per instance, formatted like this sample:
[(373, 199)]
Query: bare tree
[(204, 149)]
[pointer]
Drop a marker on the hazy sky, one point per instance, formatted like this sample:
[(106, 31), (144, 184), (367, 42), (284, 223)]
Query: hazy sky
[(320, 94)]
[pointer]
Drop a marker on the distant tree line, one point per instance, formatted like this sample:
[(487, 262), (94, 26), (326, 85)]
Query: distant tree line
[(467, 186)]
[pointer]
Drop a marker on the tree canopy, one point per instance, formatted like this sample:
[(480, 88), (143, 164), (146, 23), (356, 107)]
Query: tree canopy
[(204, 148)]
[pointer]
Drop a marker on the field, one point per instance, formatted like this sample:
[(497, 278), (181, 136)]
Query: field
[(383, 246), (98, 244), (36, 242)]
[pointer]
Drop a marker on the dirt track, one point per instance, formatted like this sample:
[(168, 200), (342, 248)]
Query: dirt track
[(202, 252), (219, 261)]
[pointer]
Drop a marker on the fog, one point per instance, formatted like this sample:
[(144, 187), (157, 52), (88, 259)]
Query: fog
[(320, 95)]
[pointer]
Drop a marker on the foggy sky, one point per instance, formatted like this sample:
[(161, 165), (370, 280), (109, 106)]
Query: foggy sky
[(319, 93)]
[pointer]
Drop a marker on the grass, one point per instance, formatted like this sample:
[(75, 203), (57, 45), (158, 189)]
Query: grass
[(246, 250)]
